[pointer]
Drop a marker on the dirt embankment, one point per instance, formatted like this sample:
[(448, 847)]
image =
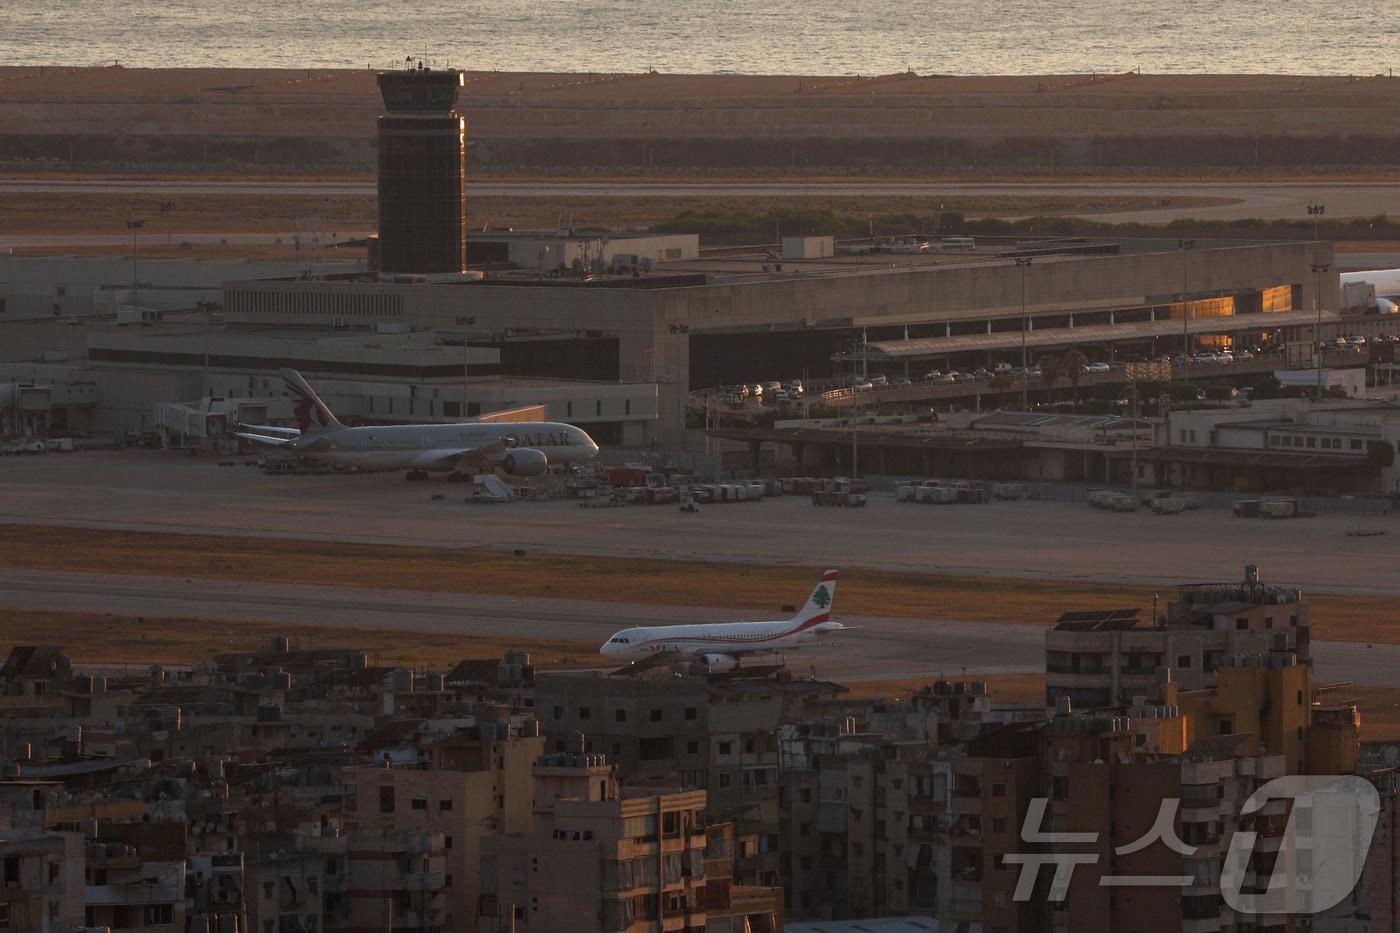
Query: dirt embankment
[(201, 121)]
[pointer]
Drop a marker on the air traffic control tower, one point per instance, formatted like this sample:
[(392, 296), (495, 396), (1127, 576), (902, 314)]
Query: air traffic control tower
[(422, 173)]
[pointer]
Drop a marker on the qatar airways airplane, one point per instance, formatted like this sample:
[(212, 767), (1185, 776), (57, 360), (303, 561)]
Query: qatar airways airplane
[(518, 448), (721, 645)]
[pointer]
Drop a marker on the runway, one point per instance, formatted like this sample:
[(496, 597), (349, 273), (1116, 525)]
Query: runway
[(882, 648), (1281, 200)]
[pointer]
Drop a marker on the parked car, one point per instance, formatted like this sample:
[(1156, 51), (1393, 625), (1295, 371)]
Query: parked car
[(879, 380), (1097, 367), (933, 374)]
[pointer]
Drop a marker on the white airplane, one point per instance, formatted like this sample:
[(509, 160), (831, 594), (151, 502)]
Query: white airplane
[(721, 645), (518, 448)]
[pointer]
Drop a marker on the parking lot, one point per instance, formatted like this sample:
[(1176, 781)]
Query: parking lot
[(161, 491)]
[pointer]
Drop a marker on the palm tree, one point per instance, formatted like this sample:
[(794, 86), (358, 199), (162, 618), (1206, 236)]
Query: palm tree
[(1049, 372), (1074, 368)]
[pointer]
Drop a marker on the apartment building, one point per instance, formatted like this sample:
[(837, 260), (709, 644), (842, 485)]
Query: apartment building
[(626, 859), (717, 733), (43, 880), (396, 880), (464, 787), (1098, 659)]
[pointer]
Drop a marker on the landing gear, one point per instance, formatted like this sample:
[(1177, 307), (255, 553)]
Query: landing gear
[(415, 475)]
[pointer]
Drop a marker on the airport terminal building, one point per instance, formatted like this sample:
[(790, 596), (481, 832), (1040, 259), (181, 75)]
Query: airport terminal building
[(730, 316)]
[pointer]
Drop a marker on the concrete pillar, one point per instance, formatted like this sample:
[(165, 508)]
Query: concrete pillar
[(948, 329), (1071, 320), (1111, 318), (989, 325), (755, 452)]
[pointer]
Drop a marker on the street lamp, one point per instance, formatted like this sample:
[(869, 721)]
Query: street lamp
[(679, 330), (1023, 262), (165, 208), (1185, 246), (134, 224), (1318, 269), (1315, 211)]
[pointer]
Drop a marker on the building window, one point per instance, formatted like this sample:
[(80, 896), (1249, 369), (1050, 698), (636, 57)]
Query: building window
[(690, 713), (1242, 624), (726, 748), (1227, 726), (998, 824), (656, 715), (447, 842), (445, 803), (159, 915), (598, 407), (692, 747), (998, 790), (620, 715), (419, 803), (584, 712), (627, 407), (1355, 445), (1183, 660), (1300, 698), (11, 871), (386, 799), (724, 779)]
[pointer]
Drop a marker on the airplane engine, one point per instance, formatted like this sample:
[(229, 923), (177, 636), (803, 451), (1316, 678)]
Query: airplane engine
[(525, 461), (720, 662)]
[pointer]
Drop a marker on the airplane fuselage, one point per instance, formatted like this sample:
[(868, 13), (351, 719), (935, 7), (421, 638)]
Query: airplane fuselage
[(408, 446), (727, 638)]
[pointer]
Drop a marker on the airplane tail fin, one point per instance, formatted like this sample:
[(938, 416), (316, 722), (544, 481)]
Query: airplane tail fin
[(818, 607), (312, 414)]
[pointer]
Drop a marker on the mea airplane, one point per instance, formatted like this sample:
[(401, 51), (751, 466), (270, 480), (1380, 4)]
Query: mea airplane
[(525, 448), (721, 645)]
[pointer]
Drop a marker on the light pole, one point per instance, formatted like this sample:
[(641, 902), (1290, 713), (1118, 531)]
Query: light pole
[(1315, 211), (679, 331), (1185, 246), (165, 208), (1318, 269), (1022, 262), (134, 224), (466, 320)]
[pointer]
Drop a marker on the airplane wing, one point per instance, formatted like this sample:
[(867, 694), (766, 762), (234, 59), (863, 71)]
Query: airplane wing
[(489, 454), (264, 439), (271, 429)]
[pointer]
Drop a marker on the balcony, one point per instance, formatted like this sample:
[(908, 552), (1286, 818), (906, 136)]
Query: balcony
[(423, 881)]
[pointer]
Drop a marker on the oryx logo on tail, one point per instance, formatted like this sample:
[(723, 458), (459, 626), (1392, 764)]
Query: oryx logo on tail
[(312, 414)]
